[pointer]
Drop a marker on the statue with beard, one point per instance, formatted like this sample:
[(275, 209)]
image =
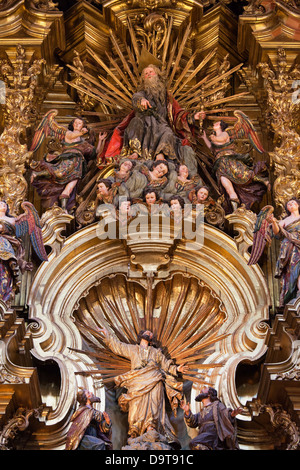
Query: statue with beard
[(156, 126), (90, 429), (152, 376), (216, 423)]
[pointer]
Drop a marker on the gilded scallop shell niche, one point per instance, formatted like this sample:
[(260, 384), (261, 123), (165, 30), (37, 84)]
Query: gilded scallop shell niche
[(206, 310)]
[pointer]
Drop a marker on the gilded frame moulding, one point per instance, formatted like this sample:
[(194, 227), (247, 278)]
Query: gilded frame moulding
[(83, 260)]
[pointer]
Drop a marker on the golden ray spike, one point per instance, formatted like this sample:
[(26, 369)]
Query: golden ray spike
[(227, 99), (191, 360), (167, 41), (133, 62), (105, 380), (208, 103), (182, 322), (184, 72), (172, 53), (120, 307), (200, 96), (133, 38), (179, 325), (104, 93), (163, 312), (194, 339), (119, 318), (186, 95), (133, 313), (224, 75), (180, 52), (197, 70), (165, 338), (199, 318), (197, 380), (115, 89), (111, 364), (107, 70), (149, 303), (199, 366), (92, 80), (186, 355), (101, 98), (120, 72), (124, 62)]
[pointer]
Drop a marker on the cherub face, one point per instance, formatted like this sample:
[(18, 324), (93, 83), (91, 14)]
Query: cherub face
[(292, 205), (183, 171), (3, 206), (175, 205), (126, 166), (102, 189), (78, 124), (202, 194), (150, 198), (160, 170), (125, 206), (217, 125)]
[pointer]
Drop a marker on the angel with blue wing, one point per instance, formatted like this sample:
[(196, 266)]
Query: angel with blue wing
[(241, 180), (287, 230), (12, 253), (57, 176)]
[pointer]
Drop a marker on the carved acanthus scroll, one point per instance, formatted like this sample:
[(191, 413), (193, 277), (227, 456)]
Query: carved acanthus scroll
[(283, 112)]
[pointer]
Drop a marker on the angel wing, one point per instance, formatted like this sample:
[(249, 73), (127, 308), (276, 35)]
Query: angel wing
[(30, 223), (244, 129), (47, 127), (261, 234)]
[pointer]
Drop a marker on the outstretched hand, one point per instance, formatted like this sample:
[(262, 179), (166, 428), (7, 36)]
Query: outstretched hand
[(102, 135), (182, 368), (199, 115), (236, 412), (185, 406), (145, 103)]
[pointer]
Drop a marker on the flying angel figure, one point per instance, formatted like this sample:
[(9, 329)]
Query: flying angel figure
[(57, 176), (240, 180)]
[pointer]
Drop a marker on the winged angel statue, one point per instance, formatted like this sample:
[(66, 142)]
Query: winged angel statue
[(152, 106), (56, 176), (287, 231), (138, 96), (12, 253)]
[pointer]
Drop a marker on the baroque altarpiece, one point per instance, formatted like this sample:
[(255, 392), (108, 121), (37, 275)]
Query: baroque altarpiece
[(204, 300)]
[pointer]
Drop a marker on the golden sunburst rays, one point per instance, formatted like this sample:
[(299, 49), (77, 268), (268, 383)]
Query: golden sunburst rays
[(115, 77), (186, 319)]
